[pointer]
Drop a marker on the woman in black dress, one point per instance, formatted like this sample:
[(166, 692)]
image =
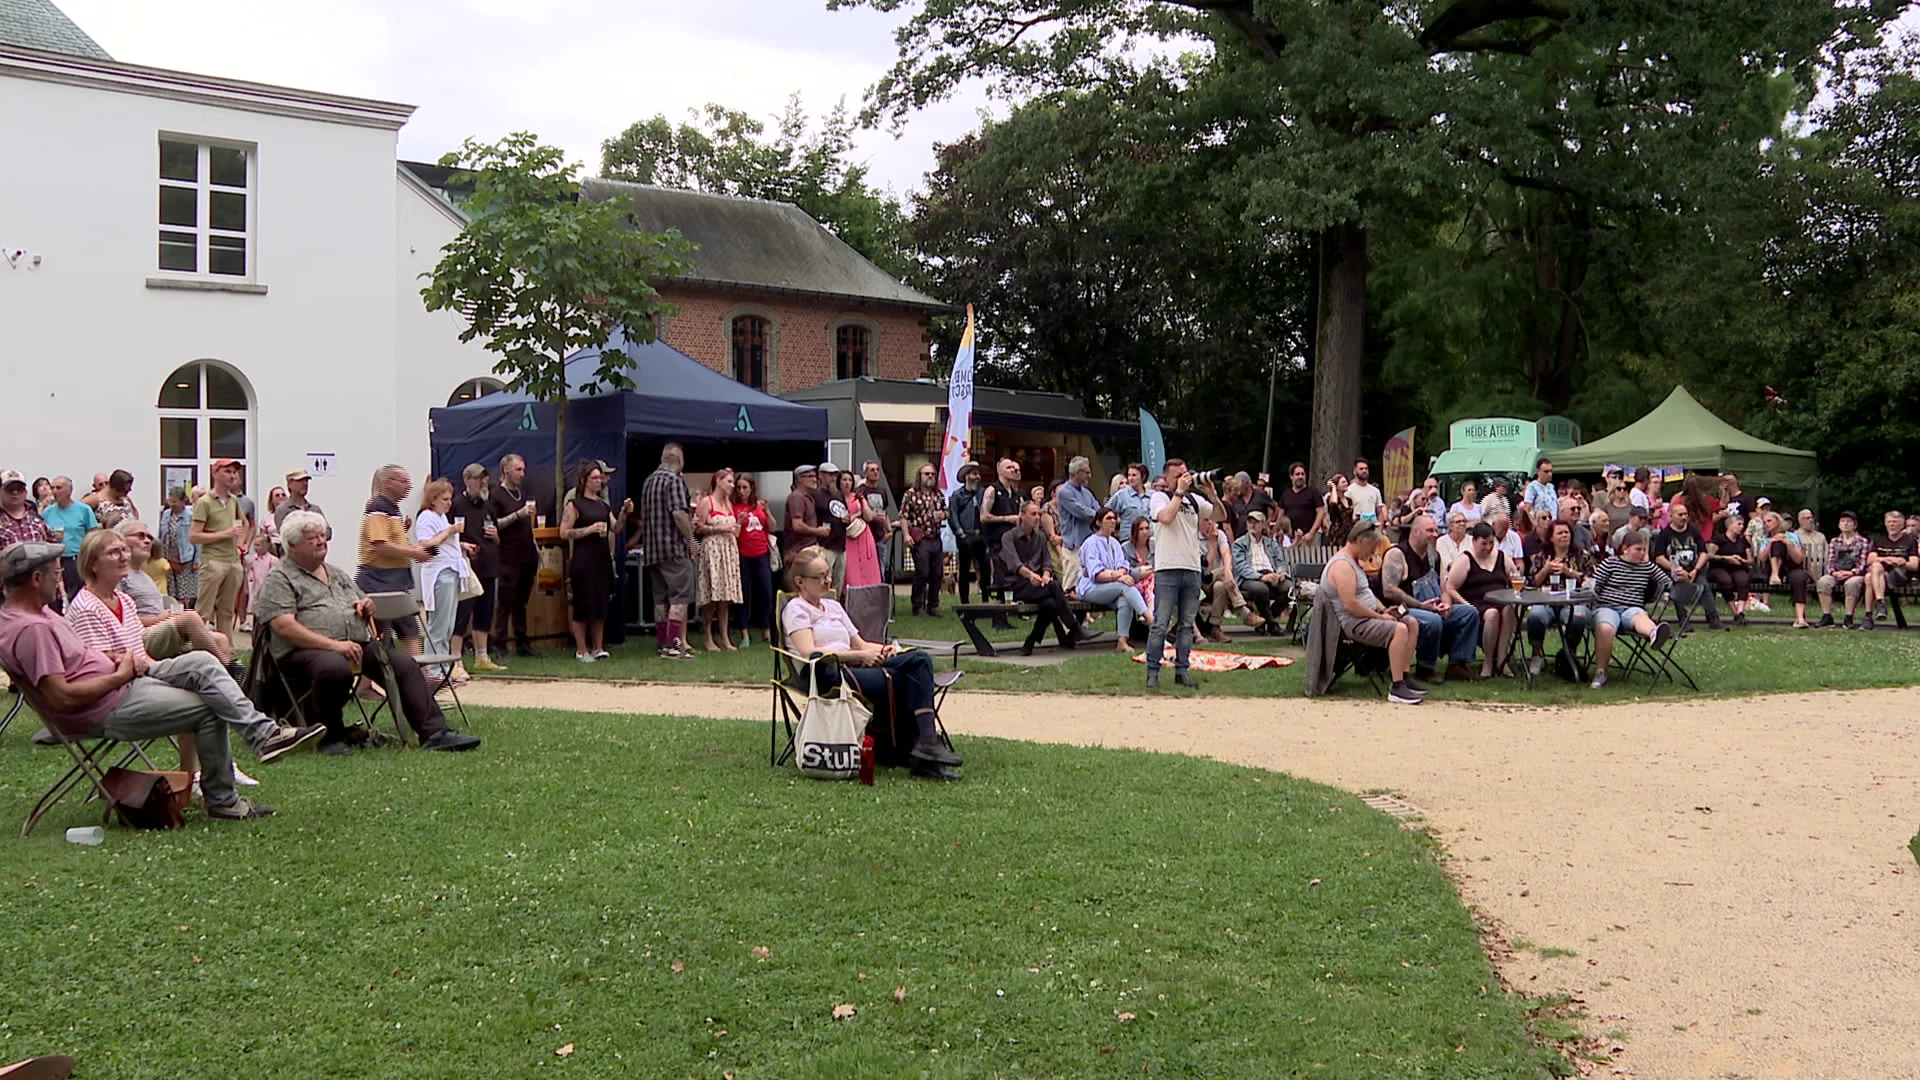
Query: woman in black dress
[(587, 523), (1340, 513), (1480, 571)]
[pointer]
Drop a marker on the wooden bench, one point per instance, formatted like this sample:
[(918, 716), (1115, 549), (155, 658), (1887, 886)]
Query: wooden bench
[(970, 614), (1911, 590)]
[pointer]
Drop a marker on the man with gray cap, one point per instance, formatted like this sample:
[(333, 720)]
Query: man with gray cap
[(19, 519), (800, 526), (298, 481), (86, 693)]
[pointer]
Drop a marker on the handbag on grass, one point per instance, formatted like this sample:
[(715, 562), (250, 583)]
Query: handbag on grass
[(828, 743), (148, 800)]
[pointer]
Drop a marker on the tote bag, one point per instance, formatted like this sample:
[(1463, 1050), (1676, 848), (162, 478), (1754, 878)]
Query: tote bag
[(830, 732)]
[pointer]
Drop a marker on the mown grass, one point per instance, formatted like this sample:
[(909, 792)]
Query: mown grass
[(603, 883), (1749, 660)]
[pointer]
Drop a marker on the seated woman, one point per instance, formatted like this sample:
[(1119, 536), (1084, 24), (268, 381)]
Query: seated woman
[(1106, 577), (1730, 565), (1623, 586), (1483, 570), (897, 686), (1787, 564), (1560, 566)]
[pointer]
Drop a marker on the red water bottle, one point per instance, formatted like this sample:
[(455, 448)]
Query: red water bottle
[(866, 760)]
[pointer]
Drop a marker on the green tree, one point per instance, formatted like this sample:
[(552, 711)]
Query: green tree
[(541, 274), (1383, 114), (727, 152), (1101, 236)]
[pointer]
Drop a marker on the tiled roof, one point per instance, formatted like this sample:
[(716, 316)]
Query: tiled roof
[(37, 24)]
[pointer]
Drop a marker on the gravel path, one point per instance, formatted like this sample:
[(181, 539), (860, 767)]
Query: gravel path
[(1731, 876)]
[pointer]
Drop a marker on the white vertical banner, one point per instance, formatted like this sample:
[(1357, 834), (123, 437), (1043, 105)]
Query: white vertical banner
[(954, 450)]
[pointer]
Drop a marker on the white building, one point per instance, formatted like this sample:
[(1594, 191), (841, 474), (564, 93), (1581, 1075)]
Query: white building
[(198, 268)]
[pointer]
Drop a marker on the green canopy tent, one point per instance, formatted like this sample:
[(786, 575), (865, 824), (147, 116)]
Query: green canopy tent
[(1682, 432)]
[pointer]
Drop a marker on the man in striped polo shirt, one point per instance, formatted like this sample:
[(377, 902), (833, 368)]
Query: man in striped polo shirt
[(1623, 586)]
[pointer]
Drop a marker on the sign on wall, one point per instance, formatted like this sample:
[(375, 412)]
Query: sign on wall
[(320, 462)]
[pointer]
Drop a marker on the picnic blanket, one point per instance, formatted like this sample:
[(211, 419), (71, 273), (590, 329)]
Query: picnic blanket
[(1208, 660)]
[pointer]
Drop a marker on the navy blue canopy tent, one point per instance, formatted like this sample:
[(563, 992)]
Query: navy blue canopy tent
[(674, 398)]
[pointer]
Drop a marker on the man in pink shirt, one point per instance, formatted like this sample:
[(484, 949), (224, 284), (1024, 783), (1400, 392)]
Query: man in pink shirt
[(87, 693)]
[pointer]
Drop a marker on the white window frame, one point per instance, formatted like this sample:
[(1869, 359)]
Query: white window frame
[(486, 384), (203, 229), (202, 463)]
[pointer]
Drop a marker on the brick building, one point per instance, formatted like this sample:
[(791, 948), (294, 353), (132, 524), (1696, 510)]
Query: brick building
[(774, 299)]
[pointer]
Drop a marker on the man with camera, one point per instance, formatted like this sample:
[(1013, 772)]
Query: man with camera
[(1177, 511)]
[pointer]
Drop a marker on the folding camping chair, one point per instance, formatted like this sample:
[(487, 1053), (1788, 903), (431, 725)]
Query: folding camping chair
[(91, 757), (789, 684), (269, 686), (1657, 664), (395, 607), (13, 709)]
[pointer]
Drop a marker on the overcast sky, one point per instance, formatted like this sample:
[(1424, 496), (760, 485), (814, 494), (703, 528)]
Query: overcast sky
[(574, 74)]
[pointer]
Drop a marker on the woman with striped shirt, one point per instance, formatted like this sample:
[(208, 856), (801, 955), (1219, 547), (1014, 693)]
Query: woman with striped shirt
[(1623, 586)]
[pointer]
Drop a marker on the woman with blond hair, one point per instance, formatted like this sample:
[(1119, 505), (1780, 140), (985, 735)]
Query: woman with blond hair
[(441, 575), (718, 531)]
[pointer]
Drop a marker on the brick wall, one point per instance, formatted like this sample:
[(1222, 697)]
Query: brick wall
[(802, 336)]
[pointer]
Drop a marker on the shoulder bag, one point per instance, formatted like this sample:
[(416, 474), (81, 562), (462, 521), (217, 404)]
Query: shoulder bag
[(830, 731)]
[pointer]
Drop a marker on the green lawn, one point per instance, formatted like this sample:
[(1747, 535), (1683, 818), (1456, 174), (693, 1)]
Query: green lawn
[(1750, 660), (607, 883)]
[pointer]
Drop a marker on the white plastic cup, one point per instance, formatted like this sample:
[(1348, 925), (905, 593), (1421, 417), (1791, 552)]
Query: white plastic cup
[(458, 523), (89, 835)]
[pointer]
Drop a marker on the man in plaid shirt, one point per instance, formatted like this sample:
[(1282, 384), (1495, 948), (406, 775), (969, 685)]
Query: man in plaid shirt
[(922, 511), (19, 520), (1846, 570), (666, 528)]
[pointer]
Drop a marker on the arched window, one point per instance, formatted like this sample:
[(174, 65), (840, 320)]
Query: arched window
[(206, 413), (750, 334), (852, 352), (474, 389)]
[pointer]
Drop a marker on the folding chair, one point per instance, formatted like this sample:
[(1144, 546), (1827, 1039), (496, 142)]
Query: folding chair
[(399, 607), (1656, 664), (789, 684), (91, 759), (270, 687), (13, 710)]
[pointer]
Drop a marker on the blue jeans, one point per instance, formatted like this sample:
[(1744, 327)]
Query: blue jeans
[(446, 604), (1459, 628), (1575, 619), (1125, 600), (1176, 594)]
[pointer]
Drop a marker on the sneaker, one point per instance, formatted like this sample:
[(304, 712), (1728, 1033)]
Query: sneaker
[(1851, 625), (1401, 694), (450, 740), (338, 748), (240, 779), (483, 663), (237, 810), (285, 740), (601, 654), (1866, 623), (1536, 665), (1599, 680), (935, 752), (1826, 621), (1662, 634), (1181, 678), (44, 737), (1417, 686), (460, 674), (1153, 680), (585, 658)]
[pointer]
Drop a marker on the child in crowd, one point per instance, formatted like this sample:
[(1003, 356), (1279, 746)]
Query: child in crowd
[(258, 567)]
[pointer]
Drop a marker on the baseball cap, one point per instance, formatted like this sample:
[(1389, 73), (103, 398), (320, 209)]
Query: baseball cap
[(829, 467), (474, 472), (224, 462), (1763, 501), (12, 477), (1256, 515), (27, 555), (604, 467), (298, 474), (802, 470)]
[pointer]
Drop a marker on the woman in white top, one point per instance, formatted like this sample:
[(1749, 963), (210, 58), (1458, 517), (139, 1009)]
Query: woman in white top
[(440, 576), (1469, 505), (897, 686)]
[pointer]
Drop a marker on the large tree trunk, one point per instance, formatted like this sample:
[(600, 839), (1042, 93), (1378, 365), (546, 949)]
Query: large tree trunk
[(1340, 336)]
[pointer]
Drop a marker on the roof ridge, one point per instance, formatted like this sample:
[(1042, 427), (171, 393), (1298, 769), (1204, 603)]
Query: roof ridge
[(638, 186)]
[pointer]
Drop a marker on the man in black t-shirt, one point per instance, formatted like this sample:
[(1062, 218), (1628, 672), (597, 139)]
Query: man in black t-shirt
[(833, 514), (1304, 506), (1681, 551), (519, 566), (1894, 562), (472, 507)]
